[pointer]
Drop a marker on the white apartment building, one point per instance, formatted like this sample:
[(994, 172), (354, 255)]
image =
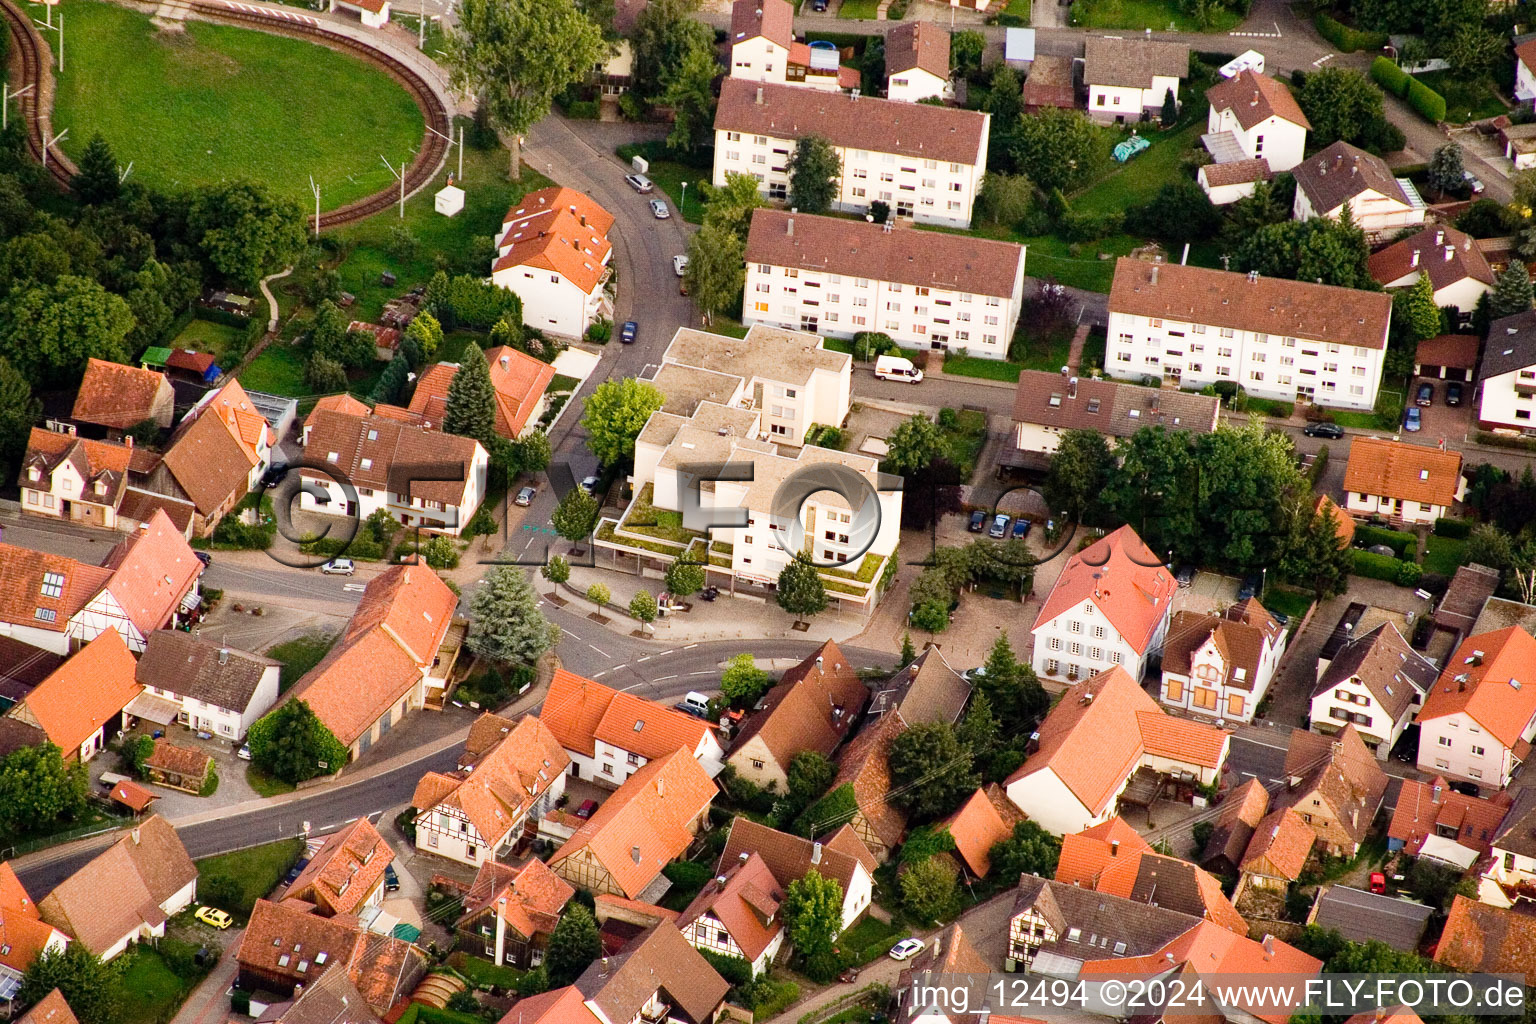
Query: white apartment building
[(925, 162), (423, 478), (785, 376), (1344, 175), (1507, 378), (1109, 609), (553, 252), (1126, 76), (917, 62), (1480, 716), (1375, 682), (1254, 117), (1287, 340), (925, 289)]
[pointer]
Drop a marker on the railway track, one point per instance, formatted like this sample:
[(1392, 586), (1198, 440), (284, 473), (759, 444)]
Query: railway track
[(31, 59)]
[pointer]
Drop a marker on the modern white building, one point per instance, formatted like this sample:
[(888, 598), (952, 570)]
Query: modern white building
[(1406, 483), (1255, 117), (1480, 716), (1281, 339), (1455, 265), (917, 62), (217, 688), (553, 253), (1127, 76), (925, 289), (925, 162), (1507, 378), (1344, 175), (1109, 609), (1220, 666), (423, 478), (1375, 682)]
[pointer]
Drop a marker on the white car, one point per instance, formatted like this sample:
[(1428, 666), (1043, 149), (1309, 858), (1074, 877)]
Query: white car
[(339, 567), (639, 182), (680, 265), (906, 949), (659, 209)]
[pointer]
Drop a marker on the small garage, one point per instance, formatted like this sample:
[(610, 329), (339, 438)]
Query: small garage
[(373, 13), (1446, 357)]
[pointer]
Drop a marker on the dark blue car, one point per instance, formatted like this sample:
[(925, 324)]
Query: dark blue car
[(628, 331), (1021, 528)]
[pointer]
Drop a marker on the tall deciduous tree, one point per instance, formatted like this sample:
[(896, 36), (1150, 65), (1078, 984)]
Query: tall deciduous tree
[(1512, 291), (814, 171), (1473, 51), (37, 789), (517, 56), (742, 682), (576, 516), (809, 775), (642, 606), (813, 910), (244, 232), (18, 411), (686, 88), (664, 33), (96, 179), (573, 945), (291, 744), (684, 578), (506, 624), (800, 591), (1005, 97), (1332, 251), (1079, 468), (715, 273), (1030, 850), (931, 770), (93, 989), (913, 445), (965, 52), (471, 407), (49, 332), (1056, 148), (614, 416), (1153, 491), (929, 890), (1341, 103), (730, 205), (1004, 199)]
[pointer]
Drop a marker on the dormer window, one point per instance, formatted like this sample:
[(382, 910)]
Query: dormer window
[(34, 474)]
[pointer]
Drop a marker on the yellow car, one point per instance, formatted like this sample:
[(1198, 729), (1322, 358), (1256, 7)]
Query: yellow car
[(213, 917)]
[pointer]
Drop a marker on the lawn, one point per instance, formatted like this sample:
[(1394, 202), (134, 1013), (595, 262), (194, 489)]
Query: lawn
[(207, 336), (1357, 420), (483, 973), (1287, 601), (1464, 101), (987, 369), (279, 370), (152, 992), (300, 655), (1444, 555), (868, 940), (1139, 178), (669, 174), (264, 784), (257, 869), (1017, 12), (865, 10), (1157, 15), (217, 103)]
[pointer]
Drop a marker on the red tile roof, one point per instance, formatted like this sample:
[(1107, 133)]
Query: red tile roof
[(132, 795), (114, 395), (529, 898), (86, 692), (27, 596), (1458, 351), (917, 45), (580, 711), (811, 708), (1425, 808), (282, 936), (1280, 845), (21, 925), (1115, 718), (1483, 679), (865, 765), (1343, 522), (504, 783), (1481, 938), (1426, 252), (746, 903), (343, 403), (385, 454), (210, 459), (341, 874), (773, 20), (1398, 469), (97, 462), (519, 380), (557, 229), (153, 568), (986, 818), (1525, 53), (1103, 857), (646, 822), (51, 1009), (391, 638), (1121, 577)]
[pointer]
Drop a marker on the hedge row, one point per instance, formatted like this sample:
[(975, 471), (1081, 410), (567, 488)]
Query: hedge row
[(1369, 536), (1383, 567), (1345, 38), (1429, 104), (1390, 77), (1456, 529)]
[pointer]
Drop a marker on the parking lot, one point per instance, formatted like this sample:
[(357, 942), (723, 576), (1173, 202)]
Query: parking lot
[(1441, 420)]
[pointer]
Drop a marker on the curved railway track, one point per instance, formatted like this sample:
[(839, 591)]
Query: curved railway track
[(31, 64)]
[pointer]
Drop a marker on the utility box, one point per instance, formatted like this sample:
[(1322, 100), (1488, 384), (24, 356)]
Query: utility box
[(449, 201)]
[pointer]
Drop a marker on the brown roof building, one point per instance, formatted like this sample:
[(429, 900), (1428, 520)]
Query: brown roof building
[(841, 856), (657, 970), (1448, 356), (238, 684), (509, 913), (1336, 785), (1481, 938), (917, 44), (1463, 600), (1254, 97), (985, 819), (178, 767), (1377, 670), (1240, 815), (927, 690), (1455, 266), (126, 893), (51, 1009), (1050, 84), (812, 707), (118, 397), (737, 913), (848, 122), (1279, 849), (518, 379), (346, 874), (1407, 482), (1343, 173), (1132, 63), (864, 768)]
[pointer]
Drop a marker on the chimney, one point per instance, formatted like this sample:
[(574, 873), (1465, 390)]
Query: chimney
[(135, 837), (506, 361), (789, 226), (1434, 794), (1072, 387), (129, 442), (223, 655), (818, 663), (1114, 847), (744, 857), (759, 95), (1414, 260), (1253, 276), (661, 786), (298, 989), (1440, 237), (1154, 273), (815, 852), (604, 972)]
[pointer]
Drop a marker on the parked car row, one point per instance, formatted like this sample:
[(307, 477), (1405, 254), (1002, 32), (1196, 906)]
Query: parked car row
[(1001, 525)]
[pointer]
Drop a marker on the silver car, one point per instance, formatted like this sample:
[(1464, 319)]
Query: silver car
[(339, 567), (524, 497), (659, 209)]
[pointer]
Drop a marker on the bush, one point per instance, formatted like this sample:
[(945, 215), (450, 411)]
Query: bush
[(582, 110), (1408, 574), (1377, 567), (1345, 38), (1087, 227), (1390, 77), (1429, 104), (1456, 529), (1369, 536), (685, 874), (732, 968), (240, 1001), (221, 891)]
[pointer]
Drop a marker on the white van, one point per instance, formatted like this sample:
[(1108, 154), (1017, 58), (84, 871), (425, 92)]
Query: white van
[(697, 703), (1248, 60), (897, 368)]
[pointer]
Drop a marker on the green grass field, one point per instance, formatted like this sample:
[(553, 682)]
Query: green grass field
[(207, 336), (218, 103), (1157, 15), (152, 991), (279, 370), (1464, 101), (300, 655), (257, 870)]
